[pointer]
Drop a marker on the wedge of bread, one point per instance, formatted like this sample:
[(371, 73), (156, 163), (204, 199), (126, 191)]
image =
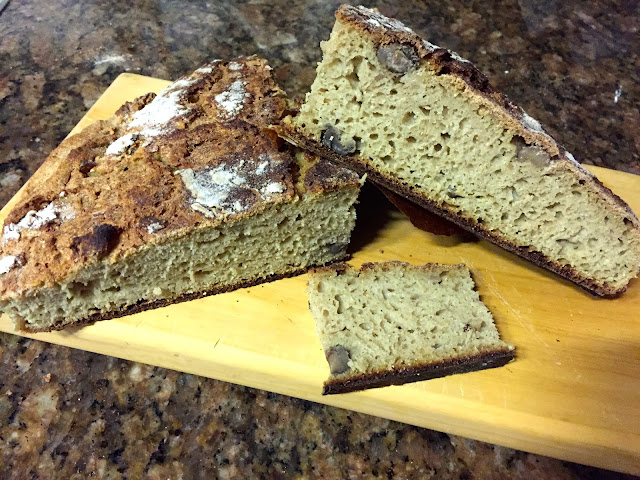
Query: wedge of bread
[(177, 196), (427, 124), (392, 323)]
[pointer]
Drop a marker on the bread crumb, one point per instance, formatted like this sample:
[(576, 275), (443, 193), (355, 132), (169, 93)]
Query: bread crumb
[(47, 377)]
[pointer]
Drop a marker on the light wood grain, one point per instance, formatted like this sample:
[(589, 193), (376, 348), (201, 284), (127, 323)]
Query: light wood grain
[(572, 393)]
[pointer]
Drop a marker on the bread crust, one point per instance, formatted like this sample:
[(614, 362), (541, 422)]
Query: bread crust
[(117, 201), (414, 373), (383, 31), (342, 267), (398, 375), (469, 225)]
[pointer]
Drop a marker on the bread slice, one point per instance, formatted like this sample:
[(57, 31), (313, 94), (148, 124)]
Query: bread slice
[(392, 323), (427, 124), (177, 196)]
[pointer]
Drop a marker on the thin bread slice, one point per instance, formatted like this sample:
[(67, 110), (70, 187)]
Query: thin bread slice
[(177, 196), (425, 123), (393, 323)]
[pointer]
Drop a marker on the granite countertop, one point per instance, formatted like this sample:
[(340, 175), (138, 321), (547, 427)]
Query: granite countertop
[(71, 414)]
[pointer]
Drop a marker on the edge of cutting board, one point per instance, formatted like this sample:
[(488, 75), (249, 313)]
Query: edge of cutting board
[(136, 338)]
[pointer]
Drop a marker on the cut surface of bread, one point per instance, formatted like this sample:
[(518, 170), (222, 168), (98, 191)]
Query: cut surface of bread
[(175, 197), (392, 323), (425, 123)]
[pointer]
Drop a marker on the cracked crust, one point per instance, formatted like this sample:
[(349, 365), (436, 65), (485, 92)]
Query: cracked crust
[(384, 31), (482, 361), (123, 179)]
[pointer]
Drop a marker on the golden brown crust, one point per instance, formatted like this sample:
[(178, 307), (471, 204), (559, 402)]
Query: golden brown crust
[(324, 176), (132, 181), (415, 373), (338, 268)]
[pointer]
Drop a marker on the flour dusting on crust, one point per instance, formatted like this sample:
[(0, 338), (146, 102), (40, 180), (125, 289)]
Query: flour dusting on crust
[(531, 123), (457, 57), (232, 187), (154, 119), (429, 46), (375, 19), (231, 101), (154, 227), (8, 263), (34, 220), (206, 69), (120, 146)]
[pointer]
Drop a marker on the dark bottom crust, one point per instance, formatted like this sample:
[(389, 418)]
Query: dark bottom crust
[(143, 305), (471, 225), (482, 361)]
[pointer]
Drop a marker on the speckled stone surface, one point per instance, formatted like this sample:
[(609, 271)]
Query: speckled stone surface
[(75, 415)]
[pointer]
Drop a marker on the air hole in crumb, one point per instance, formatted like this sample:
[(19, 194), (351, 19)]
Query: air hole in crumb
[(408, 118), (338, 298), (353, 78)]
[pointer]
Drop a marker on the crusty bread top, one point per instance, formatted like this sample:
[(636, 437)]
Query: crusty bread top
[(384, 30), (195, 155)]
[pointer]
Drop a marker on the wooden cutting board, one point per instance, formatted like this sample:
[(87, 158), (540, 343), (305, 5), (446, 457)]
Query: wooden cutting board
[(572, 393)]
